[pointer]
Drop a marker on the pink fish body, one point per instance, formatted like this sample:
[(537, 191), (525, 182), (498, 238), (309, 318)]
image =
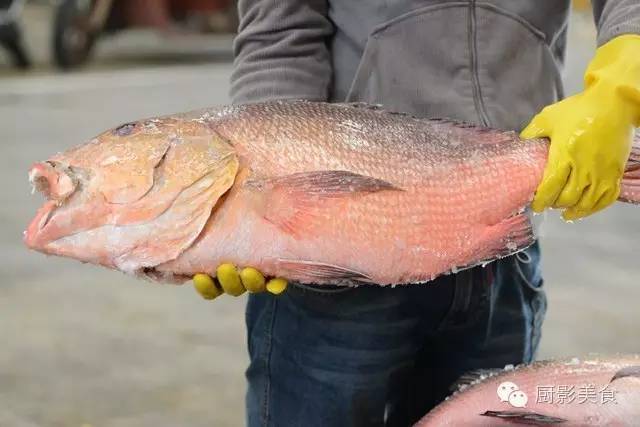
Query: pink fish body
[(568, 393), (315, 192)]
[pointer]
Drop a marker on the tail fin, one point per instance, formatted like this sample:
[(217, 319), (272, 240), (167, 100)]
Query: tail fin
[(630, 185)]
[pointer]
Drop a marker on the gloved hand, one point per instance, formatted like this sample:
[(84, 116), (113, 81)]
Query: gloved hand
[(229, 280), (591, 133)]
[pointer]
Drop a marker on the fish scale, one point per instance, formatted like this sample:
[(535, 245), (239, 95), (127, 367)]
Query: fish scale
[(314, 192)]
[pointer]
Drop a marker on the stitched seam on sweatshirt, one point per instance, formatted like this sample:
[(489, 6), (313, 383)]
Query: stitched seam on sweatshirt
[(514, 17), (267, 365), (413, 13), (473, 65)]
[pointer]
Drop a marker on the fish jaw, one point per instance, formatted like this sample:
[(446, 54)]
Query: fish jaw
[(33, 237)]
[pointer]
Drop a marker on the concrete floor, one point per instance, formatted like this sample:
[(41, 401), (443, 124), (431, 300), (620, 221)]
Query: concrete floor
[(82, 345)]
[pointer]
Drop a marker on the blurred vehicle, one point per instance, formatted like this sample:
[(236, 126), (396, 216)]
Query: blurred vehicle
[(78, 24), (10, 34)]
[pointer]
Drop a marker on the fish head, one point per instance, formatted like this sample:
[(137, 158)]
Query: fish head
[(133, 197)]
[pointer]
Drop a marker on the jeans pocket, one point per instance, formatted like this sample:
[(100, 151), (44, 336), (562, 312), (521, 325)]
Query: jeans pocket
[(526, 265)]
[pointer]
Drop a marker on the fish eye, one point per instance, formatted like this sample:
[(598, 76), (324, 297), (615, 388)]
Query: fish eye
[(125, 129)]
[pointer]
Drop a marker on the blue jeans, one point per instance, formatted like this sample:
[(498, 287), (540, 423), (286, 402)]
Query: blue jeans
[(373, 356)]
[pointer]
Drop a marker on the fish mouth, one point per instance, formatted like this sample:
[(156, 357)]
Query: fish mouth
[(56, 182)]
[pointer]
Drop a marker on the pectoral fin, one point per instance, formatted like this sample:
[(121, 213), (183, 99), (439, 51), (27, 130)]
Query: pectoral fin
[(293, 201), (525, 417), (324, 184)]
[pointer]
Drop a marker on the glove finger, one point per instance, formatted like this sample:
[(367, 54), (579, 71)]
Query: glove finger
[(592, 193), (608, 195), (552, 184), (607, 199), (584, 206), (573, 191), (537, 128), (229, 279), (277, 286), (253, 280), (206, 286)]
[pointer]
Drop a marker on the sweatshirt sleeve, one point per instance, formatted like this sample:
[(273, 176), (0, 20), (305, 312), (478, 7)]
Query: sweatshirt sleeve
[(615, 18), (281, 51)]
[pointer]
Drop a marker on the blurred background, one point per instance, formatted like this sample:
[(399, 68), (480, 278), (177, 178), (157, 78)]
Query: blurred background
[(83, 346)]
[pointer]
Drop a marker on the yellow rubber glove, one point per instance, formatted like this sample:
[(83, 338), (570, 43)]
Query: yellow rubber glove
[(591, 133), (228, 280)]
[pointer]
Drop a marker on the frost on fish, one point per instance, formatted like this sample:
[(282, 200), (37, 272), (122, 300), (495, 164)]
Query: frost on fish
[(314, 192)]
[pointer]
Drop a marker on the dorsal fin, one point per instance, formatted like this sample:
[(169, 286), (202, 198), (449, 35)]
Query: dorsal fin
[(463, 125), (364, 106), (473, 377), (436, 120), (454, 122), (380, 109)]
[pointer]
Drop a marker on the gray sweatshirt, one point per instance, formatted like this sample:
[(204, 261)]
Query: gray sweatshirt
[(494, 62)]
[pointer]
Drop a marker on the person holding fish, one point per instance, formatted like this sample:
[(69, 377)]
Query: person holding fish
[(307, 181), (332, 356)]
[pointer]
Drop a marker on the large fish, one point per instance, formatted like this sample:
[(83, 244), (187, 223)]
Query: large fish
[(570, 393), (314, 192)]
